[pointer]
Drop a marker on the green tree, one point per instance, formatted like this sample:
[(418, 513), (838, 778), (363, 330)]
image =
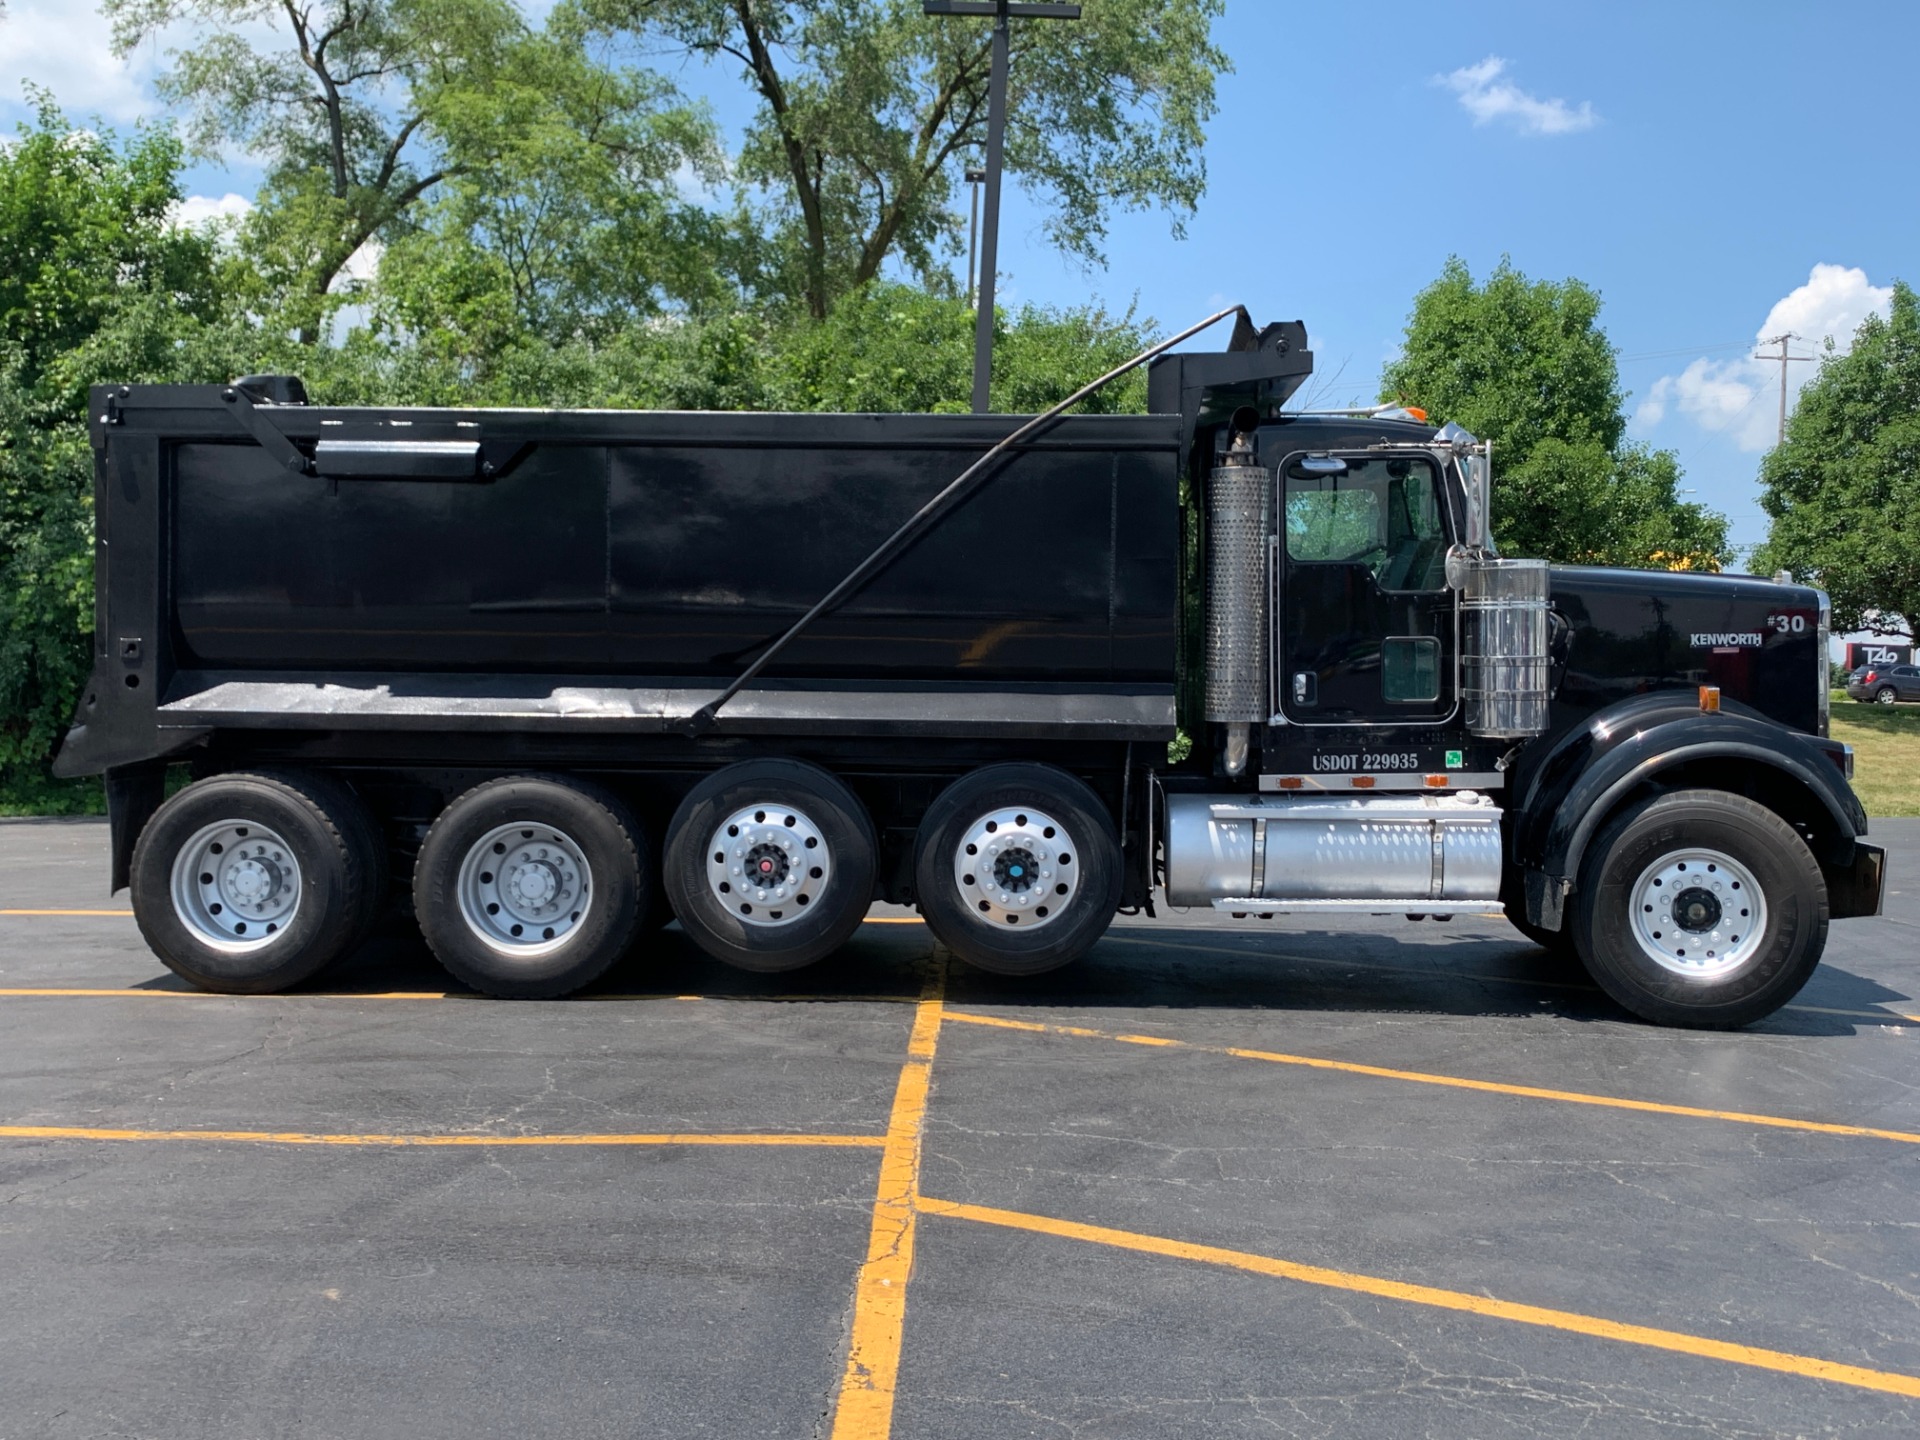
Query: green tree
[(93, 275), (1844, 490), (1525, 364), (362, 110), (869, 111)]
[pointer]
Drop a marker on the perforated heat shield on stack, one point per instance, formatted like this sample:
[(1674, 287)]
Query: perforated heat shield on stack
[(1239, 493)]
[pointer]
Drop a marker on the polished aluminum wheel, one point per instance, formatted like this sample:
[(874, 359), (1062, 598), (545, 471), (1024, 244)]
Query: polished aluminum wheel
[(1016, 867), (523, 888), (236, 885), (1698, 913), (767, 863)]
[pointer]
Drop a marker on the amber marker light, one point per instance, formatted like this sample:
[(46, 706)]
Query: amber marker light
[(1363, 782), (1291, 782), (1710, 699), (1416, 412), (1436, 782)]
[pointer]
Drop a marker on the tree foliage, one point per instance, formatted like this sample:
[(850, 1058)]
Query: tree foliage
[(365, 110), (90, 266), (1525, 364), (869, 111), (1843, 491)]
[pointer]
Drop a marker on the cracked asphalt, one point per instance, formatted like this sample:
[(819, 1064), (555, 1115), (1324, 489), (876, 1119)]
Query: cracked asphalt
[(278, 1264)]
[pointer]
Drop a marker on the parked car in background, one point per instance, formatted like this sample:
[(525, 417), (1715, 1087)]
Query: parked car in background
[(1884, 684)]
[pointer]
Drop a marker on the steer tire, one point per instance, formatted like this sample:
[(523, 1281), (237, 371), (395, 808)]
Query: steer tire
[(798, 918), (965, 913), (335, 852), (1644, 867), (528, 815)]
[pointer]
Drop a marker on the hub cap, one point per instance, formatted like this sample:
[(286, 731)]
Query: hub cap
[(768, 864), (1017, 868), (235, 885), (1698, 913), (524, 889)]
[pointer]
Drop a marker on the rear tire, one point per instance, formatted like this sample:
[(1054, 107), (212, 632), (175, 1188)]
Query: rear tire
[(250, 883), (531, 886), (770, 864), (1017, 869), (1700, 908), (1886, 695)]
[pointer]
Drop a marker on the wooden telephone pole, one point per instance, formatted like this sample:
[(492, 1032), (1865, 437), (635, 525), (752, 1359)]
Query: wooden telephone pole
[(1784, 360)]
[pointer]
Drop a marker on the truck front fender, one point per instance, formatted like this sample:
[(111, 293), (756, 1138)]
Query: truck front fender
[(1666, 742)]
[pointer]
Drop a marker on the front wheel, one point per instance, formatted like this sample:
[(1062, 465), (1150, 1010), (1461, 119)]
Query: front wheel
[(1017, 869), (1700, 908)]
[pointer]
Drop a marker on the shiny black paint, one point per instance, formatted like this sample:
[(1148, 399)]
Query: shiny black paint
[(1631, 632), (1565, 787), (678, 550)]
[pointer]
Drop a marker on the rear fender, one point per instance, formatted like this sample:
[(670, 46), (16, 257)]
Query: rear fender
[(1660, 742)]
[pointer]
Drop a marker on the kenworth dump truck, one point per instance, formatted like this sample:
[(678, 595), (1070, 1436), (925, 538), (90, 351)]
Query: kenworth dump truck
[(541, 679)]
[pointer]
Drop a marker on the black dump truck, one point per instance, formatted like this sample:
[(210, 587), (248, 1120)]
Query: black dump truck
[(541, 679)]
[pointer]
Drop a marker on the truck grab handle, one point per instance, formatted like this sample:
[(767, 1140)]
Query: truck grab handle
[(703, 719)]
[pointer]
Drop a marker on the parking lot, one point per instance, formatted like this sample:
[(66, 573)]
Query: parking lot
[(1266, 1179)]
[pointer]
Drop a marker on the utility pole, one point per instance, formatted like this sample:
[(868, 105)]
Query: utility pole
[(1783, 359), (974, 177), (1000, 11)]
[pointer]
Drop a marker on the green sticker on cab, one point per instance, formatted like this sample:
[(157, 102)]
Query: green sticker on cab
[(1456, 759)]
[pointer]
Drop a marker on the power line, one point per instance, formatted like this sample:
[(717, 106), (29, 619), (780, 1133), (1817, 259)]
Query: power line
[(1684, 350)]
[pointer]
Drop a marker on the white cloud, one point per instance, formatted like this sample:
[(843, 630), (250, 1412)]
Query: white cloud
[(61, 46), (1741, 397), (198, 210), (1487, 97)]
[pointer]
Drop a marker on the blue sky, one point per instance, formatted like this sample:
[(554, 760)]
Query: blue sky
[(1716, 171)]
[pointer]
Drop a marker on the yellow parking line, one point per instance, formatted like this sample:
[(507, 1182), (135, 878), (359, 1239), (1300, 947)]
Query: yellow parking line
[(1244, 952), (67, 912), (77, 993), (1455, 1082), (284, 1137), (1891, 1382), (870, 920), (864, 1408)]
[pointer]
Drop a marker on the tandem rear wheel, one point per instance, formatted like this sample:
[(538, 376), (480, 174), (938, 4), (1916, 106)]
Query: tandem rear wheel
[(530, 886), (1700, 908), (252, 882), (1017, 868), (770, 864)]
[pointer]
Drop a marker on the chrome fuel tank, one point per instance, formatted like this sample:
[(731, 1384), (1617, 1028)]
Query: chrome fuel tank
[(1324, 850)]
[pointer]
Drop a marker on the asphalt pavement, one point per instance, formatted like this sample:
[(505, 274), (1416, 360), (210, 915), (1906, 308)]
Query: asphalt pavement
[(1272, 1178)]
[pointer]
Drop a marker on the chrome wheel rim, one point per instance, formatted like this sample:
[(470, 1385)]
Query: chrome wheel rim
[(1887, 697), (1698, 913), (768, 864), (236, 885), (1017, 868), (524, 889)]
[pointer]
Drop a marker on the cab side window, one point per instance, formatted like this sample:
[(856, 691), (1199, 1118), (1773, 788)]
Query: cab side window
[(1385, 514)]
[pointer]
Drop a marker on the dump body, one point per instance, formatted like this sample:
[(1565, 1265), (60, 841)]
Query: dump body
[(618, 567)]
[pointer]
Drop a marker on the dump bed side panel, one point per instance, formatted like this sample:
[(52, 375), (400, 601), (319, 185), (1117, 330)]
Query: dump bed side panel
[(663, 548)]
